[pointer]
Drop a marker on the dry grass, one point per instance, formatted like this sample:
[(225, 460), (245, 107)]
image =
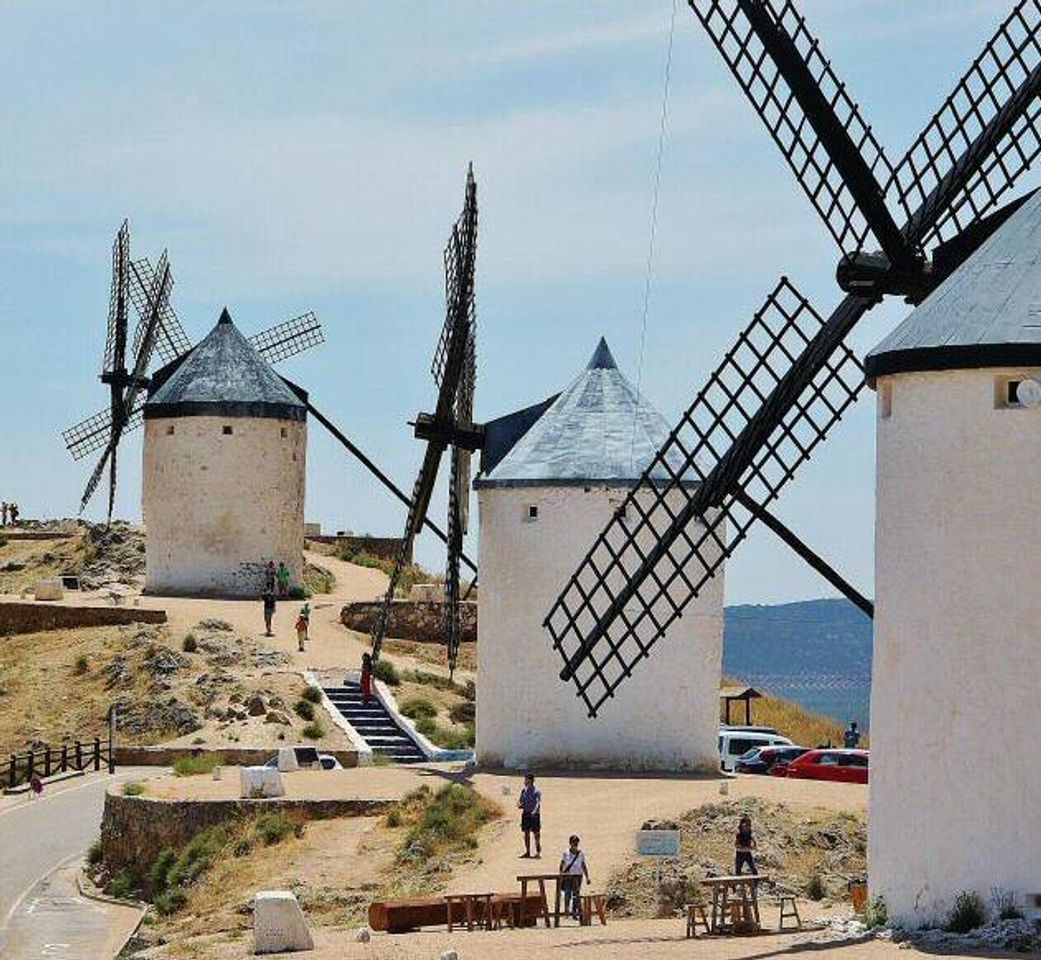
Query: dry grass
[(42, 558), (432, 653), (789, 719)]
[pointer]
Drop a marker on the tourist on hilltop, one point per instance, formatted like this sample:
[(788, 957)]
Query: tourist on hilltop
[(851, 737), (12, 514), (3, 513), (573, 867), (744, 847), (282, 575), (268, 596), (366, 677), (269, 576), (530, 805), (301, 631)]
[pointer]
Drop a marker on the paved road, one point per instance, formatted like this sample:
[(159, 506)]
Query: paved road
[(38, 904)]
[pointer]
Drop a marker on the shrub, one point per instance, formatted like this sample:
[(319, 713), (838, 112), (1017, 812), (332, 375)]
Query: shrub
[(273, 828), (426, 726), (191, 766), (312, 694), (197, 856), (82, 665), (381, 760), (443, 822), (387, 672), (465, 712), (159, 874), (243, 847), (189, 644), (3, 541), (133, 788), (967, 914), (94, 855), (123, 885), (170, 901), (314, 731), (304, 709), (299, 593), (393, 818), (876, 913), (416, 707), (1004, 903), (815, 887)]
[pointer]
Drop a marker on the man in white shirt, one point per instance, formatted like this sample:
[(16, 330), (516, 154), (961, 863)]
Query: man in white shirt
[(573, 866)]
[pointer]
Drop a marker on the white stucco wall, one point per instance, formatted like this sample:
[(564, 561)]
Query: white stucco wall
[(665, 716), (217, 507), (957, 657)]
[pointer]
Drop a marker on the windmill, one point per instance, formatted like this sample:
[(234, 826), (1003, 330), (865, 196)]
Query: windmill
[(454, 370), (790, 376)]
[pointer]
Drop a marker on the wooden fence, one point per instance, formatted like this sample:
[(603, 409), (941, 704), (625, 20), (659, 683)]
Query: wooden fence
[(51, 760)]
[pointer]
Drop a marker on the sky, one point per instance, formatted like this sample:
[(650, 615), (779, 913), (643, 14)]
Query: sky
[(295, 156)]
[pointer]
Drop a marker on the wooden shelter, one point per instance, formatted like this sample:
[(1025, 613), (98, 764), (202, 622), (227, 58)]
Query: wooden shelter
[(731, 695)]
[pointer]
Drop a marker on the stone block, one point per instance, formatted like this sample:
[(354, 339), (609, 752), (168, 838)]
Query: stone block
[(287, 760), (278, 923), (49, 589), (260, 782)]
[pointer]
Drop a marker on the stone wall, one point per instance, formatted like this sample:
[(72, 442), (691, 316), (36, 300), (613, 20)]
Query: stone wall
[(129, 755), (386, 548), (35, 616), (135, 830), (421, 621)]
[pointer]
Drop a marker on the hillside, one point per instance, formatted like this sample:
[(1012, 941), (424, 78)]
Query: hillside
[(816, 653)]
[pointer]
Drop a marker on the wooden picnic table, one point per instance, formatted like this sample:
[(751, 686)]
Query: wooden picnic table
[(540, 879), (469, 902), (735, 903)]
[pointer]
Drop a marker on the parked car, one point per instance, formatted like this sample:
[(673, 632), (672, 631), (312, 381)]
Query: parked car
[(772, 760), (735, 741), (847, 766), (308, 758)]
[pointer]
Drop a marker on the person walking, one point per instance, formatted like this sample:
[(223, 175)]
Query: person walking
[(573, 867), (301, 631), (530, 805), (12, 514), (269, 576), (3, 513), (366, 677), (851, 738), (744, 847), (282, 575), (268, 596)]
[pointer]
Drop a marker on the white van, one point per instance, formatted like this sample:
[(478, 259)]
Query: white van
[(734, 741)]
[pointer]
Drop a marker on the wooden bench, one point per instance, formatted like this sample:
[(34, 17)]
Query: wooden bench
[(592, 902), (400, 916), (477, 909)]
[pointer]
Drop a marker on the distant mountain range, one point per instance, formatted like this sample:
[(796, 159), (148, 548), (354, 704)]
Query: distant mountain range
[(815, 652)]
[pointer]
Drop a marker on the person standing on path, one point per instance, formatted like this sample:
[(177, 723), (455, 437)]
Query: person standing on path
[(744, 847), (268, 596), (851, 738), (573, 866), (366, 677), (12, 514), (530, 805), (301, 631), (269, 576), (282, 575), (3, 513)]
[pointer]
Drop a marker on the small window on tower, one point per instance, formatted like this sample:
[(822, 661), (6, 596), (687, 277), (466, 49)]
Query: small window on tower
[(885, 401), (170, 430), (227, 431), (531, 513)]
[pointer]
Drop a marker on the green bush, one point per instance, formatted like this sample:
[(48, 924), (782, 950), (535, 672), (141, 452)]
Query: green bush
[(170, 901), (381, 760), (299, 593), (273, 828), (3, 541), (445, 737), (393, 818), (243, 847), (426, 726), (304, 709), (190, 766), (447, 820), (312, 694), (967, 914), (159, 874), (94, 855), (387, 672), (314, 731), (815, 887), (465, 712), (197, 856), (876, 913), (189, 644), (416, 707), (82, 665), (1004, 903), (133, 788), (123, 885)]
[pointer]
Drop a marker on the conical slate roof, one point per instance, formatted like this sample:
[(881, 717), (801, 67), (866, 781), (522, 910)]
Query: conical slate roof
[(985, 314), (597, 430), (223, 376)]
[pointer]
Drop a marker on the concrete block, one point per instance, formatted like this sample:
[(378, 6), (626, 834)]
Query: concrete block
[(49, 589), (279, 924), (260, 782), (287, 760)]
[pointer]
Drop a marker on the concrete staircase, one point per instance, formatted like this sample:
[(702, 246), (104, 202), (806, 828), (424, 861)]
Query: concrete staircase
[(372, 721)]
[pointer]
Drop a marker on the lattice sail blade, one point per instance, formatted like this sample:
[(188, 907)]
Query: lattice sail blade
[(458, 486), (115, 338), (981, 139), (811, 117), (93, 433), (288, 338), (664, 531), (171, 341)]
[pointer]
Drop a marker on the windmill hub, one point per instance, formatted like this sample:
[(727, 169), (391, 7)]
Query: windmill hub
[(469, 436), (871, 275)]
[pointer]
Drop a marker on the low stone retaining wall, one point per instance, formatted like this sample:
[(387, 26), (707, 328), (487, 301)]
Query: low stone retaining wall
[(31, 617), (135, 830), (131, 756), (419, 620), (34, 534)]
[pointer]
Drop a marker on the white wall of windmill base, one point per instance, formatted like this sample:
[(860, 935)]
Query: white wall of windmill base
[(666, 716), (957, 655), (217, 507)]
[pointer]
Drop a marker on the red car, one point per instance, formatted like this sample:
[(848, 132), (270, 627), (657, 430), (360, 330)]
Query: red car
[(847, 766)]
